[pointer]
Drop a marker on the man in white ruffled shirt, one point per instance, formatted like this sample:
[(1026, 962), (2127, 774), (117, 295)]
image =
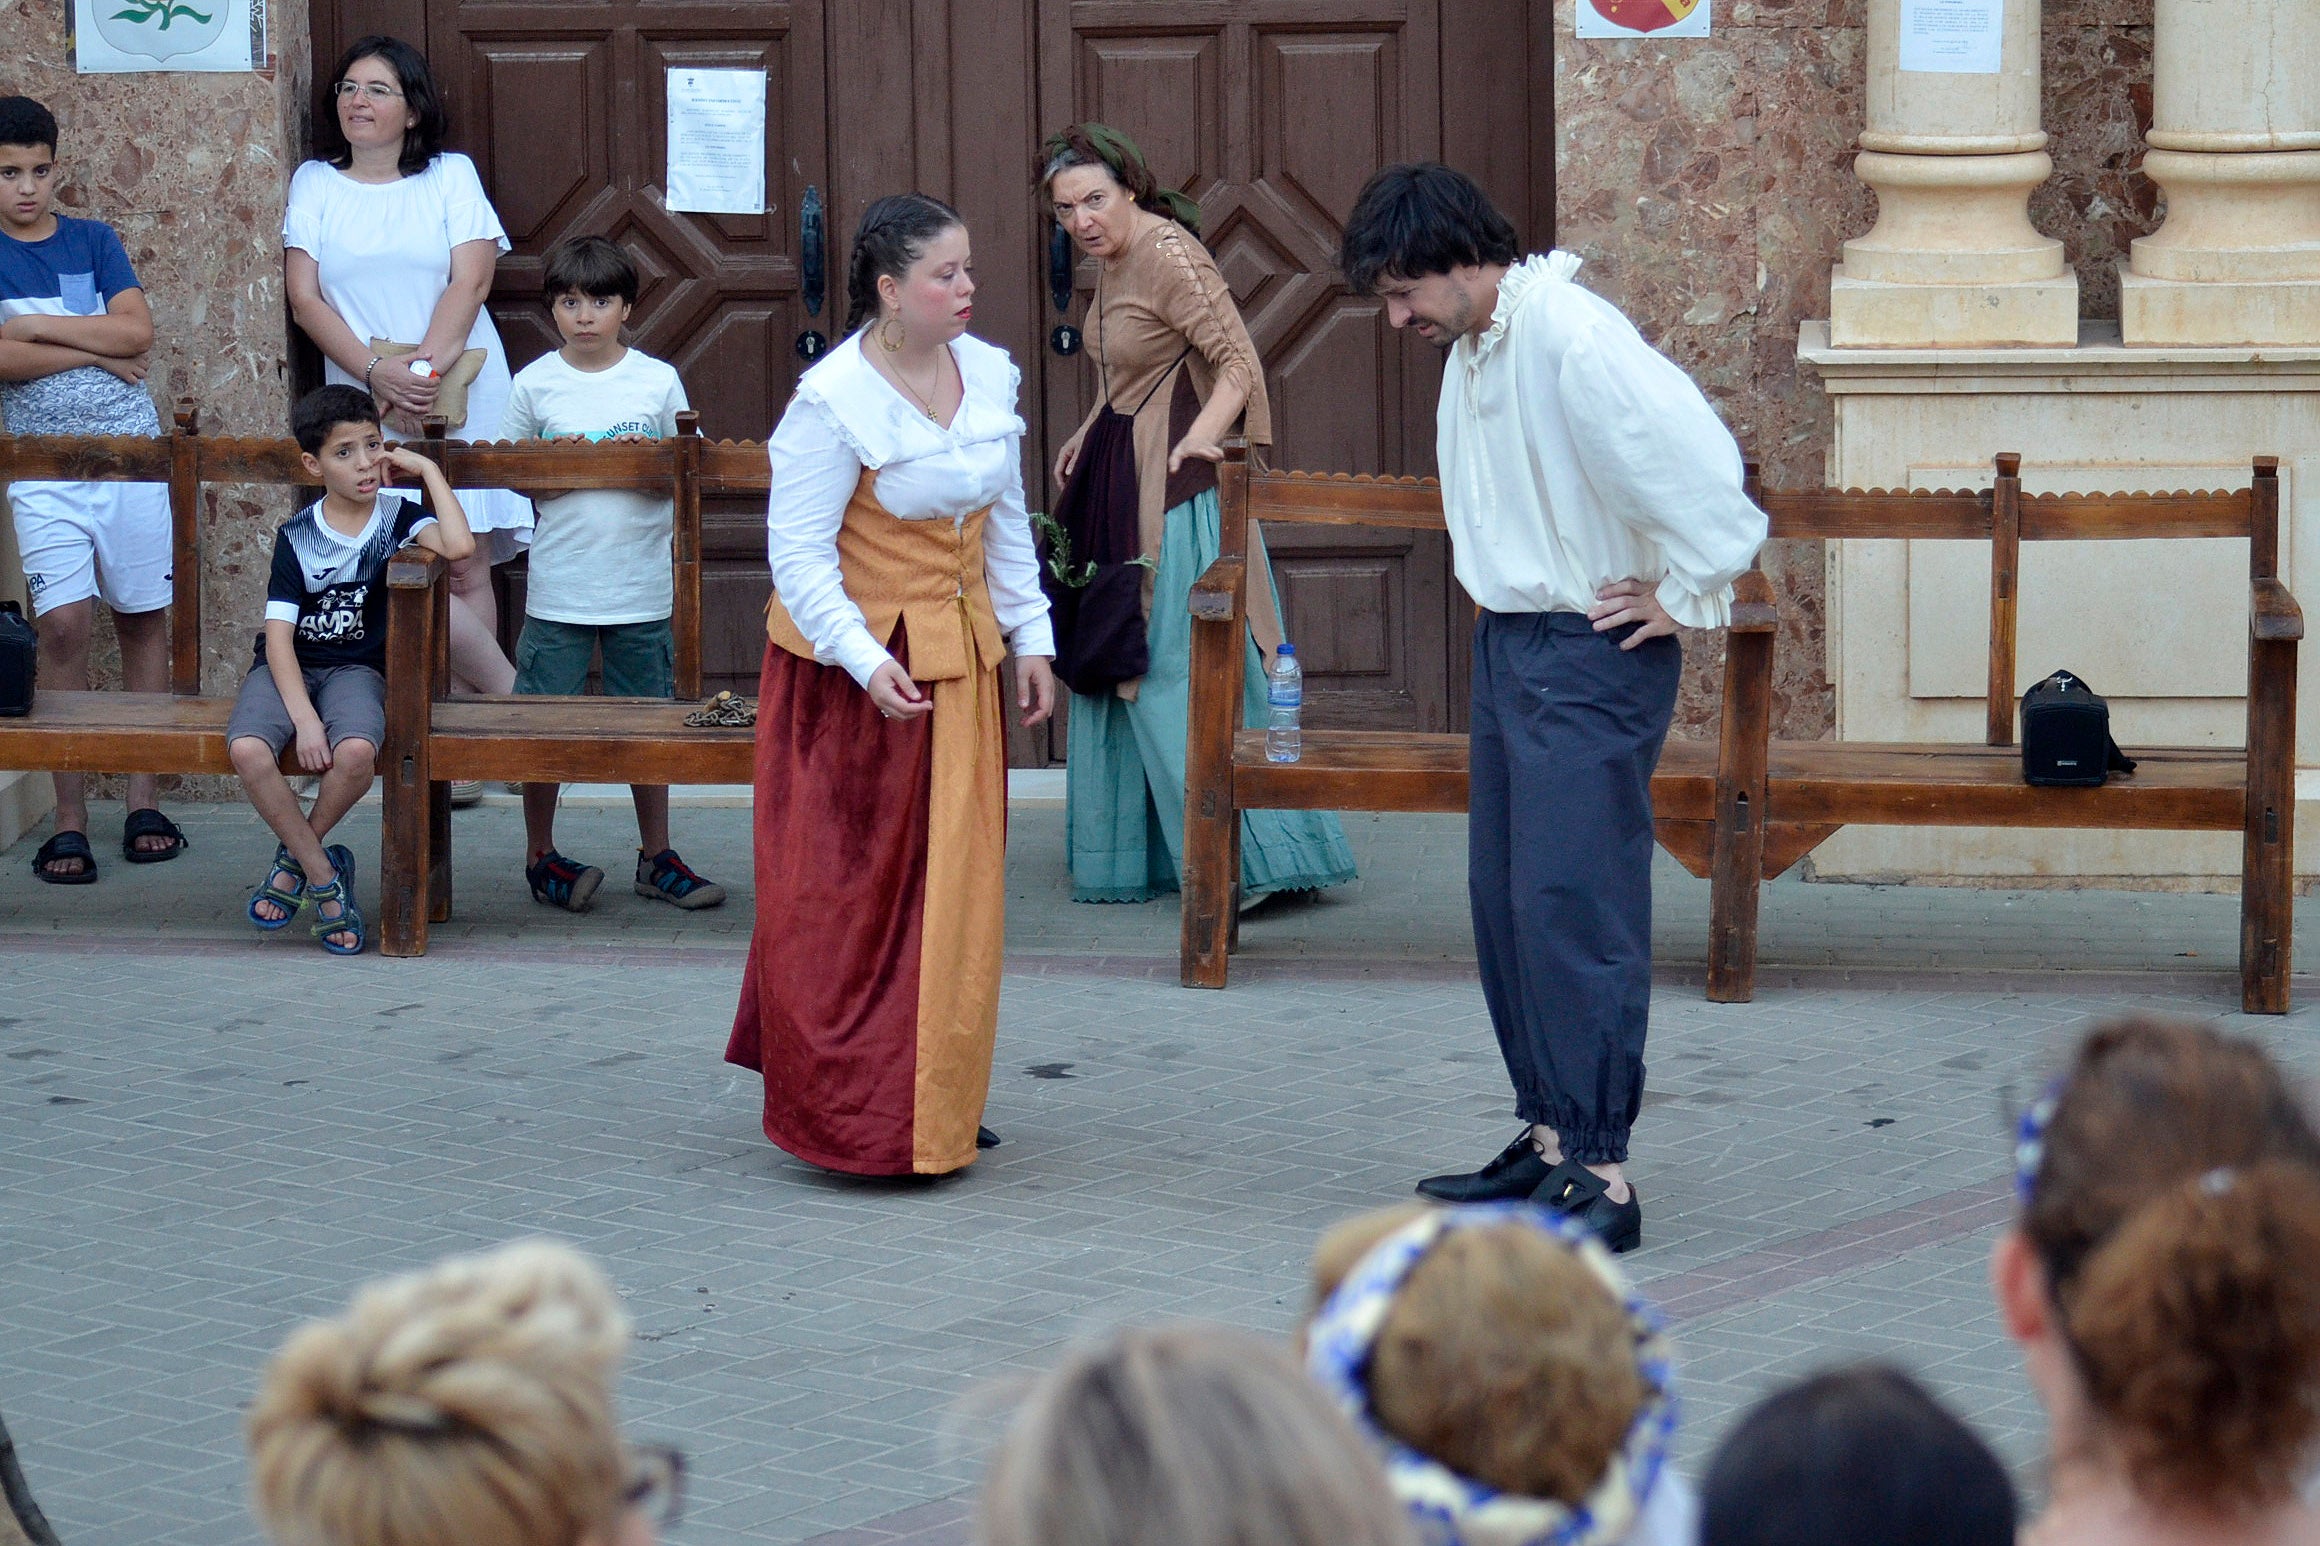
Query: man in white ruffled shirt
[(1595, 505)]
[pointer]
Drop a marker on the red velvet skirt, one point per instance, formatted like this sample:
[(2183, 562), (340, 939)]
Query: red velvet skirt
[(871, 998)]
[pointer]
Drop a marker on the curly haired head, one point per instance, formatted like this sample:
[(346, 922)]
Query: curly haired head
[(469, 1402), (1503, 1356), (2176, 1212)]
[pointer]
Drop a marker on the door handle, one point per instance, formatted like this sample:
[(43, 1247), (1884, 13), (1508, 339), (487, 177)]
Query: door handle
[(813, 272), (1065, 340)]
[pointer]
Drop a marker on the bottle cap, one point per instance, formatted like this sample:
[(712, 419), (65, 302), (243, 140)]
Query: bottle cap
[(1286, 648)]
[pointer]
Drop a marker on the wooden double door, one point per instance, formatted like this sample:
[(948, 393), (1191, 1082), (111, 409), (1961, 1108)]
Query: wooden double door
[(1270, 112)]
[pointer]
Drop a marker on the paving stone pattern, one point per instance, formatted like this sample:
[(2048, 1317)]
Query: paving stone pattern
[(207, 1136)]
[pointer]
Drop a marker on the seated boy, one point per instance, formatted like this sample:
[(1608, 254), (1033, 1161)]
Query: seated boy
[(75, 338), (600, 566), (319, 678)]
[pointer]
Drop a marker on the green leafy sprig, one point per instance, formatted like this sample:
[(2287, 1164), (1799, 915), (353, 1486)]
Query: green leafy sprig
[(167, 10)]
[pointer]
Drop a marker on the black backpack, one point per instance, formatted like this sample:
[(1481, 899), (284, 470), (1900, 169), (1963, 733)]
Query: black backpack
[(19, 662), (2066, 735)]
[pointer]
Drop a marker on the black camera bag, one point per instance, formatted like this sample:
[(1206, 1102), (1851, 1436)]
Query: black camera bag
[(2066, 735)]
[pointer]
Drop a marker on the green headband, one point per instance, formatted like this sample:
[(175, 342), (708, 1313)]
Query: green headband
[(1120, 153)]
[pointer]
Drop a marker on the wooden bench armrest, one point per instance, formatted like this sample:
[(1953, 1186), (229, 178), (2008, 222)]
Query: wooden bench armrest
[(2273, 613), (1216, 595), (1753, 610), (415, 568)]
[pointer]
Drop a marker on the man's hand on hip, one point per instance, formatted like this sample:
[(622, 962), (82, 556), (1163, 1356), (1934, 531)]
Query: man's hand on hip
[(1631, 601)]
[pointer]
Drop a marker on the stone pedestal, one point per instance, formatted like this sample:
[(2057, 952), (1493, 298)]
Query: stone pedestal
[(2159, 627), (1953, 259), (2235, 145)]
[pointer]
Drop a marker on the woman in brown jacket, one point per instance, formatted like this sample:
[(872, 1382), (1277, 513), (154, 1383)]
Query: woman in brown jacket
[(1176, 359)]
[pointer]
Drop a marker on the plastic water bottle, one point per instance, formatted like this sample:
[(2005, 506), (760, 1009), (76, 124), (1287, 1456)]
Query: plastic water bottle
[(1285, 693)]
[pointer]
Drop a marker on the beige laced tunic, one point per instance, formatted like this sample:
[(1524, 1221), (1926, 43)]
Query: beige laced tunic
[(1159, 295)]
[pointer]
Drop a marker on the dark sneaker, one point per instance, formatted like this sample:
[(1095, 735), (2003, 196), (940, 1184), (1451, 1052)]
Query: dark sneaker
[(559, 882), (1516, 1172), (1584, 1197), (668, 878)]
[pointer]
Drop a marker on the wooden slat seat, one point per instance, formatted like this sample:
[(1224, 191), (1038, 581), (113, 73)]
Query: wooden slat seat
[(1843, 783), (1401, 770), (585, 741), (118, 732)]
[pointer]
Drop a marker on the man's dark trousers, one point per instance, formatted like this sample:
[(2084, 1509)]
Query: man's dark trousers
[(1567, 729)]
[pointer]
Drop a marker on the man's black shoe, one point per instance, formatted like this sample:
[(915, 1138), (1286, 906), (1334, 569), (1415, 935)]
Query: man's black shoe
[(1517, 1172), (1584, 1197)]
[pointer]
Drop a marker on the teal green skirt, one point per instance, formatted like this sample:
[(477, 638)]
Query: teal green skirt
[(1124, 769)]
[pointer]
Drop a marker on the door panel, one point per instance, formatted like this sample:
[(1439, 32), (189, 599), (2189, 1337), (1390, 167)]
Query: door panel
[(1273, 114)]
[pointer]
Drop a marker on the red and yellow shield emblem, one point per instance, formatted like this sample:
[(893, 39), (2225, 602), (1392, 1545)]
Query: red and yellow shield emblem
[(1643, 15)]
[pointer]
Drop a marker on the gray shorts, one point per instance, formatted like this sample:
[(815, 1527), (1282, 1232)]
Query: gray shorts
[(352, 701)]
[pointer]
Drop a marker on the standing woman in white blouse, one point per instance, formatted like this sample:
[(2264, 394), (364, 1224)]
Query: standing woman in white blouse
[(903, 569), (390, 239)]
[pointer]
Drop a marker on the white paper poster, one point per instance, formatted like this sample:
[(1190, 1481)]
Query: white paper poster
[(1953, 37), (1643, 18), (717, 141), (117, 37)]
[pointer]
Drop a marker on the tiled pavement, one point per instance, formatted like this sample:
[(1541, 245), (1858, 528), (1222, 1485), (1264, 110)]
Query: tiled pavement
[(204, 1136)]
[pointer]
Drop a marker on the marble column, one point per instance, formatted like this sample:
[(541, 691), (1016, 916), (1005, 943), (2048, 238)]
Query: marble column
[(1953, 259), (2235, 146)]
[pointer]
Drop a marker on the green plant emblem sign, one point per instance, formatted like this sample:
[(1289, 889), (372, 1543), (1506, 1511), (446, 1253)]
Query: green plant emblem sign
[(160, 29)]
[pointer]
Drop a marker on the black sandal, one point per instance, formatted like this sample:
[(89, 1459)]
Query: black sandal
[(66, 845), (151, 823)]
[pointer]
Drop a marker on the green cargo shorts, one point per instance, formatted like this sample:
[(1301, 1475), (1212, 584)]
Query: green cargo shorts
[(640, 659)]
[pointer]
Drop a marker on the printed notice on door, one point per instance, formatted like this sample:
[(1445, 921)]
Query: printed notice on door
[(717, 141), (1952, 37)]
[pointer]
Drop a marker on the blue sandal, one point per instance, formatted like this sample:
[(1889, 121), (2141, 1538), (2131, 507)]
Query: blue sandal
[(289, 900), (340, 889)]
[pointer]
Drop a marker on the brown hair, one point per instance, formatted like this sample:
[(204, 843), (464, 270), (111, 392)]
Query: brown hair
[(1187, 1436), (470, 1402), (1504, 1357), (2176, 1210)]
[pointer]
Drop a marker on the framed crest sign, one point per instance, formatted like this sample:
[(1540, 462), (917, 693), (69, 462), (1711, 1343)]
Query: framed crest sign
[(1643, 18), (117, 37)]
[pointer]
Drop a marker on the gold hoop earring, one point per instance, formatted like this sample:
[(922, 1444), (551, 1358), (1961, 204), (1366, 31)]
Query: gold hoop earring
[(891, 345)]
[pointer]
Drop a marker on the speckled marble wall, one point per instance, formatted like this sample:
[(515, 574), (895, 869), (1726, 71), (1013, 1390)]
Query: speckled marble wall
[(191, 170), (1708, 184)]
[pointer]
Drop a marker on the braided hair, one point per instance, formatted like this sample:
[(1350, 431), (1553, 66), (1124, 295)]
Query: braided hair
[(1095, 144), (894, 234)]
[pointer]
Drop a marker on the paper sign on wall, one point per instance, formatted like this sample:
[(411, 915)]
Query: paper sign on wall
[(717, 141), (119, 37), (1953, 37), (1643, 18)]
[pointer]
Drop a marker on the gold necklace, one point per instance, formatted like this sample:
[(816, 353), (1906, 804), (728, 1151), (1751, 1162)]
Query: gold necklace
[(923, 400)]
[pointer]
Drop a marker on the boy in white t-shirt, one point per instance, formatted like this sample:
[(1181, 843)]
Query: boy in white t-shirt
[(600, 567)]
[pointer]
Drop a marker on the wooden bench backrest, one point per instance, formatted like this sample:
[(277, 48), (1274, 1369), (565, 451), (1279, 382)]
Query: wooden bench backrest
[(2005, 517), (687, 467)]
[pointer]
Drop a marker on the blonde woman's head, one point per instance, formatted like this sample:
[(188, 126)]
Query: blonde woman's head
[(1185, 1436), (465, 1404)]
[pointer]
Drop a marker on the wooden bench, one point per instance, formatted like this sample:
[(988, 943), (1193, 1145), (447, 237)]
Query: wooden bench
[(180, 731), (1805, 791), (1226, 771), (1744, 808), (435, 739), (431, 738)]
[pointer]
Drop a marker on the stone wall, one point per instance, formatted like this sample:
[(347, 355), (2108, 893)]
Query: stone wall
[(191, 170), (1708, 184)]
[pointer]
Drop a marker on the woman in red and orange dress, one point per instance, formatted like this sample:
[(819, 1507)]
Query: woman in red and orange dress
[(903, 568)]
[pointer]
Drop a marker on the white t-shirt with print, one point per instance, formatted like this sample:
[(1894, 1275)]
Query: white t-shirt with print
[(598, 555)]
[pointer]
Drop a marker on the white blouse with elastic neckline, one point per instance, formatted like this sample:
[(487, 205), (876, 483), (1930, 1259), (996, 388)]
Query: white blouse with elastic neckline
[(846, 418)]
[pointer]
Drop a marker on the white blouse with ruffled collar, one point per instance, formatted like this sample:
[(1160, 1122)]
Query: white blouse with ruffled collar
[(846, 418)]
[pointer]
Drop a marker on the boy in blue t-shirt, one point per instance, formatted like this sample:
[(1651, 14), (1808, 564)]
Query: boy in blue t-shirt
[(75, 339), (319, 677)]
